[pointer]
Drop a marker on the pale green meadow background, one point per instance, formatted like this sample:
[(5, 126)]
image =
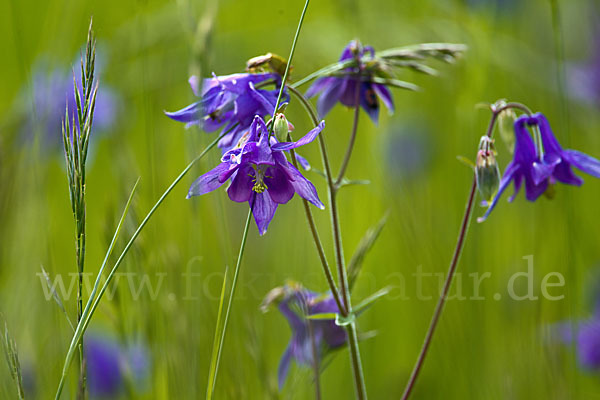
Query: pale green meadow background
[(483, 349)]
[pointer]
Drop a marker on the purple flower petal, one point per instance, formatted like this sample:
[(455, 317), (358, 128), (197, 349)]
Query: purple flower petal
[(303, 186), (189, 114), (263, 210), (303, 162), (563, 173), (240, 189), (533, 191), (330, 96), (309, 137), (209, 181), (386, 96), (585, 163), (318, 86), (279, 187), (284, 366), (369, 102)]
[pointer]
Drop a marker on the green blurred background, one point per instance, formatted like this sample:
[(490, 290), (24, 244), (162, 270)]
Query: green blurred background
[(483, 349)]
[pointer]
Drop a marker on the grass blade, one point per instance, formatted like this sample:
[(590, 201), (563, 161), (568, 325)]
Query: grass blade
[(212, 375), (92, 303)]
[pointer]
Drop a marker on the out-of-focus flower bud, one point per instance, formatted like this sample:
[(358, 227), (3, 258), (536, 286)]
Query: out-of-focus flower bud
[(281, 128), (506, 122), (486, 170)]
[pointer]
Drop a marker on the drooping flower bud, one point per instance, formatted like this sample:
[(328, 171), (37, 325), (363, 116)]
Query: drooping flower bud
[(281, 128), (486, 170), (506, 122)]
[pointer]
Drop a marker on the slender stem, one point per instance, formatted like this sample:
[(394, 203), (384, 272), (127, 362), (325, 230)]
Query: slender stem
[(233, 287), (440, 305), (318, 244), (289, 60), (456, 256), (345, 311), (352, 135)]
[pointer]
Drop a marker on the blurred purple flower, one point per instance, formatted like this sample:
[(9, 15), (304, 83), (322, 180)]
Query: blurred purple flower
[(50, 93), (343, 89), (539, 171), (109, 365), (583, 79), (408, 149), (296, 303), (230, 102), (586, 337), (104, 366), (260, 173)]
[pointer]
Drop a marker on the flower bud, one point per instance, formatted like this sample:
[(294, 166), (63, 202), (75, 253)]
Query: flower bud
[(486, 170), (506, 121), (281, 128)]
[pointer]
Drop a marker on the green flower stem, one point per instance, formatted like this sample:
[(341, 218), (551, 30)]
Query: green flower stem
[(361, 392), (455, 258), (317, 240), (289, 61)]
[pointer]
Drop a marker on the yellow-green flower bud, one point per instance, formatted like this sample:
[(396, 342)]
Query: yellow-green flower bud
[(486, 170), (281, 128)]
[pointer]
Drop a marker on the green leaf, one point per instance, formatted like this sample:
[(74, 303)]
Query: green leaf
[(366, 303), (348, 182), (466, 161), (366, 243)]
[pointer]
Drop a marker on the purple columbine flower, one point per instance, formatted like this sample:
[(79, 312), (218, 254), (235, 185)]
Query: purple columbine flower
[(296, 303), (260, 173), (539, 171), (343, 89), (230, 102)]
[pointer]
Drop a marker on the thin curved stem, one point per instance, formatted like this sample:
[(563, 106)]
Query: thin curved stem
[(352, 135), (289, 60), (315, 234), (442, 300), (455, 258)]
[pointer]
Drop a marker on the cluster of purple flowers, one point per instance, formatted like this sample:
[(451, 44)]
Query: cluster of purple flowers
[(542, 165)]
